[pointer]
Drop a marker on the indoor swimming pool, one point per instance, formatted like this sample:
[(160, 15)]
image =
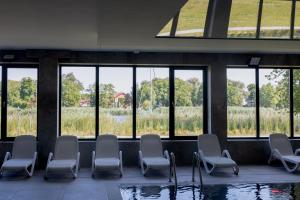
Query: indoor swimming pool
[(282, 191)]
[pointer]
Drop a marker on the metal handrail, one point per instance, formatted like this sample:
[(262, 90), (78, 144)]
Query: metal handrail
[(196, 163), (173, 167)]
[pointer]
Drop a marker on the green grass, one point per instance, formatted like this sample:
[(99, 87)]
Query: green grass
[(243, 14), (81, 121), (21, 121), (241, 121), (188, 121)]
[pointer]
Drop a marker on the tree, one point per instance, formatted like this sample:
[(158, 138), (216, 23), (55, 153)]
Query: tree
[(72, 89), (28, 92), (183, 94), (107, 92), (197, 91), (127, 100), (268, 96), (235, 93), (251, 98)]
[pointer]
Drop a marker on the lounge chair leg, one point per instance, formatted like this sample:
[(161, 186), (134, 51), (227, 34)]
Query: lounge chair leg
[(236, 170)]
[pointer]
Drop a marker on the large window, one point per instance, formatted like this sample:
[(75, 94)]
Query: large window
[(152, 101), (297, 21), (259, 101), (78, 101), (191, 19), (188, 102), (241, 102), (243, 19), (274, 101), (115, 101), (18, 98), (276, 19), (132, 101), (21, 101), (254, 19), (296, 100)]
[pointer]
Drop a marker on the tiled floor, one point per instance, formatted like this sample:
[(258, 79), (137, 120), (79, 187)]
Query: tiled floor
[(106, 186)]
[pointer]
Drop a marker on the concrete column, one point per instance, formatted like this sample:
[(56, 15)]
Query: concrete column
[(217, 20), (47, 106), (217, 101)]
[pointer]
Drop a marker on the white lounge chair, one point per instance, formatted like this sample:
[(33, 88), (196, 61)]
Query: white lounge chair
[(107, 155), (23, 155), (151, 154), (282, 150), (210, 154), (66, 156)]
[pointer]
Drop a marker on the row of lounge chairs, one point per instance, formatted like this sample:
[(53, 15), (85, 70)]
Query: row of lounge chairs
[(66, 157)]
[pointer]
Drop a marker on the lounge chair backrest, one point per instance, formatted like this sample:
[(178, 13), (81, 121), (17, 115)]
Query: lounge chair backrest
[(209, 144), (151, 145), (24, 147), (66, 148), (107, 146), (282, 143)]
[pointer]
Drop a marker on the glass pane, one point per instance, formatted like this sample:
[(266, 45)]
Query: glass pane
[(243, 19), (78, 101), (297, 21), (274, 101), (115, 101), (152, 101), (241, 103), (191, 21), (296, 84), (188, 102), (21, 102), (166, 31), (276, 19)]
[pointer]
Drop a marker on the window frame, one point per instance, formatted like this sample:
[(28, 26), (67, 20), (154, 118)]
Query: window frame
[(258, 26), (171, 68), (4, 105), (257, 101)]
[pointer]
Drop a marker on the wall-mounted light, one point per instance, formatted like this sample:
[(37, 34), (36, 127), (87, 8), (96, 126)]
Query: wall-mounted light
[(8, 57), (254, 62)]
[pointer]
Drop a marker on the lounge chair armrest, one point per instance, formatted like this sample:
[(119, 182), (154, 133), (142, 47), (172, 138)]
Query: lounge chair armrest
[(121, 158), (50, 157), (276, 153), (78, 159), (93, 159), (167, 155), (201, 154), (226, 153), (34, 157), (7, 156), (141, 158), (297, 152)]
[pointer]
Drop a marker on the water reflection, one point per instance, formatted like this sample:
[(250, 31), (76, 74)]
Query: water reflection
[(213, 192)]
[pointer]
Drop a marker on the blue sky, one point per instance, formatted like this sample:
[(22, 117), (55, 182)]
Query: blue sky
[(121, 77)]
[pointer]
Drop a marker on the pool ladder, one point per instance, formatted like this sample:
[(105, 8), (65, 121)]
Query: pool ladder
[(196, 163), (173, 169)]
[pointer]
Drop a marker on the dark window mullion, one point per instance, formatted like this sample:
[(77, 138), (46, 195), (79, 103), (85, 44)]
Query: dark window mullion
[(293, 19), (134, 103), (260, 9), (204, 95), (291, 96), (171, 103), (257, 103), (97, 109), (4, 104)]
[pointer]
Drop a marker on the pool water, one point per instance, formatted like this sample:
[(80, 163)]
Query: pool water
[(282, 191)]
